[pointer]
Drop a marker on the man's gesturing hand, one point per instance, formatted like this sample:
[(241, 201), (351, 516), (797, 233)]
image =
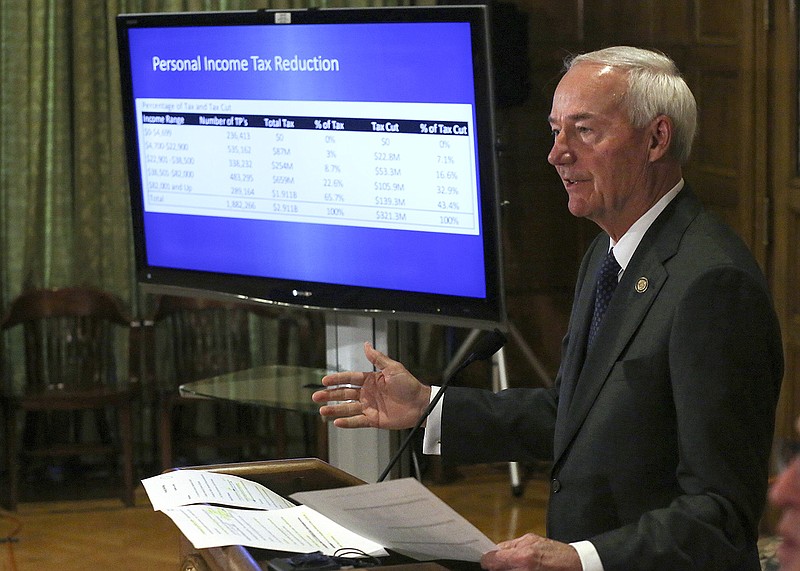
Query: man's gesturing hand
[(390, 397)]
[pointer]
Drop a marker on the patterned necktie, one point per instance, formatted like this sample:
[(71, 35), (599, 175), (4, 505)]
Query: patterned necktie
[(607, 279)]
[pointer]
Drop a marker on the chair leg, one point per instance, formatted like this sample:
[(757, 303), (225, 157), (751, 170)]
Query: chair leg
[(165, 434), (126, 442), (321, 431), (280, 433), (12, 457)]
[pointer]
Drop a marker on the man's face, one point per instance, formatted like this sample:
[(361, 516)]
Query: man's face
[(785, 494), (601, 158)]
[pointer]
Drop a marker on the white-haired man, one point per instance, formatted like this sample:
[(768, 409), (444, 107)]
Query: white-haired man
[(660, 422)]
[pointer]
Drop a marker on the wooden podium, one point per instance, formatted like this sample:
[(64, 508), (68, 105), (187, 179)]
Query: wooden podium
[(285, 477)]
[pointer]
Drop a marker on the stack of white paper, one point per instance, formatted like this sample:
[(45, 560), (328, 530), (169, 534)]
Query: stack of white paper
[(213, 509)]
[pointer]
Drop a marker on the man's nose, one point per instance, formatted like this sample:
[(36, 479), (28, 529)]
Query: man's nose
[(561, 152)]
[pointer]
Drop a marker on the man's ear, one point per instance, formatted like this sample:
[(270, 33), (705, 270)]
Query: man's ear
[(660, 133)]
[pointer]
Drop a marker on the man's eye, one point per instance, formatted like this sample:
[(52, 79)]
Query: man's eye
[(554, 132), (583, 130)]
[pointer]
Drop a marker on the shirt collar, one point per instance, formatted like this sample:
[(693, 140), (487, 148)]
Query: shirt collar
[(628, 242)]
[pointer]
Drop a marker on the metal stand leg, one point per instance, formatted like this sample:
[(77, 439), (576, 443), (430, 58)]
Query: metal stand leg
[(499, 383), (364, 452), (534, 361)]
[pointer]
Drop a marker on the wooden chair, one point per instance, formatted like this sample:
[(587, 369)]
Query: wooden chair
[(76, 343), (204, 338)]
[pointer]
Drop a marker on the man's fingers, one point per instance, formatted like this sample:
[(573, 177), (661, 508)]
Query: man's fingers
[(489, 560), (336, 394), (527, 539), (359, 421), (502, 560), (378, 359), (345, 378), (339, 409), (532, 552)]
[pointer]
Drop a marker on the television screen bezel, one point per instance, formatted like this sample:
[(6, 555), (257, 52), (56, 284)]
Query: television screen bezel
[(485, 313)]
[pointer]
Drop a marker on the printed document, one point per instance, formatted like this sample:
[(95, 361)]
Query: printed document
[(404, 516), (213, 509), (205, 507)]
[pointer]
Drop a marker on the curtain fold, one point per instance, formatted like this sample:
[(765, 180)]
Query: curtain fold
[(64, 215)]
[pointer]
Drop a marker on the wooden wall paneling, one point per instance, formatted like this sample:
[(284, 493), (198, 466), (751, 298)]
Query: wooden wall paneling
[(714, 170), (793, 269), (610, 22), (790, 252), (757, 75), (558, 23), (650, 23), (718, 21), (721, 70), (785, 187), (672, 23)]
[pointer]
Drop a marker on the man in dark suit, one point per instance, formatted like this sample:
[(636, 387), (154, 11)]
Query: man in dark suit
[(660, 422)]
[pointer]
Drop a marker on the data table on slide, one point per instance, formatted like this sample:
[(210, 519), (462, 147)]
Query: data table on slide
[(402, 166)]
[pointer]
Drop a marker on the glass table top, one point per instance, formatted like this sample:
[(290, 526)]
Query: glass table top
[(275, 386)]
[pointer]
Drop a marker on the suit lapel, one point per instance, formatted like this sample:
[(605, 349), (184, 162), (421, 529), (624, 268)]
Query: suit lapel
[(628, 307)]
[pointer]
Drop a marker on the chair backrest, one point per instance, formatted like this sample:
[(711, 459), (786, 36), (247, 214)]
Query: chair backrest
[(74, 338), (210, 337)]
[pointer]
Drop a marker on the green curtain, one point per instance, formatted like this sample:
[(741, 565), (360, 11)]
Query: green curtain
[(64, 215), (64, 206)]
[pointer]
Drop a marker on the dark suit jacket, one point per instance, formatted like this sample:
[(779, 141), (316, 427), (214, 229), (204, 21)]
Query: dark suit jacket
[(660, 458)]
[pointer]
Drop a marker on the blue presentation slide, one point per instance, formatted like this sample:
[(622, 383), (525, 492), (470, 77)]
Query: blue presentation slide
[(324, 153)]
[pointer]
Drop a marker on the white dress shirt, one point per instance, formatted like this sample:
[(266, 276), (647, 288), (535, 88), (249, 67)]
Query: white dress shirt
[(623, 252)]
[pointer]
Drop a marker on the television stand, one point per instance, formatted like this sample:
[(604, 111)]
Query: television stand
[(365, 452)]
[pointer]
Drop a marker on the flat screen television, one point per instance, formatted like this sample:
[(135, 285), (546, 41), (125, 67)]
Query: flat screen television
[(339, 159)]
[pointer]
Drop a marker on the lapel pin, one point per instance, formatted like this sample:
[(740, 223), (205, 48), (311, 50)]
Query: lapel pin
[(641, 285)]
